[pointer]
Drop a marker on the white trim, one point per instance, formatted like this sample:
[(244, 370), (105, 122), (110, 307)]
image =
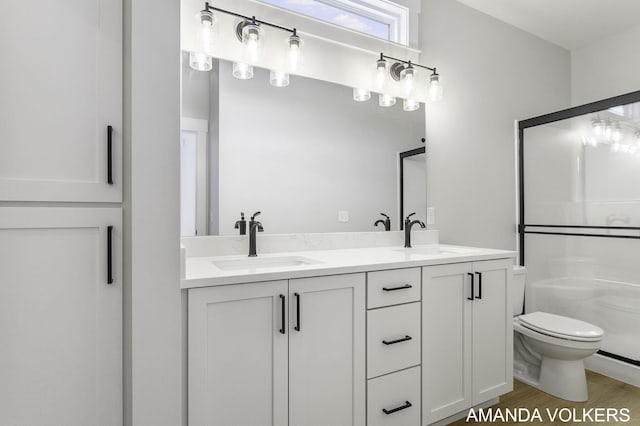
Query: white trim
[(194, 124)]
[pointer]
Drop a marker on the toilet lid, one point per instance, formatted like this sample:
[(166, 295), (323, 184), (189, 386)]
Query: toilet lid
[(559, 326)]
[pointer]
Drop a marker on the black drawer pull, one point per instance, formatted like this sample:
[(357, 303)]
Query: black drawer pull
[(282, 313), (407, 404), (402, 339), (471, 275), (404, 287), (479, 296), (297, 327), (110, 155), (109, 255)]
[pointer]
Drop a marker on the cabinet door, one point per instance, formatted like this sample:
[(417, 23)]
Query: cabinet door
[(61, 87), (327, 351), (60, 320), (238, 355), (492, 330), (446, 340)]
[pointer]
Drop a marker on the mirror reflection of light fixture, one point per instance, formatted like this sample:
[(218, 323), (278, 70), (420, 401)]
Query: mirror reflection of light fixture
[(361, 95), (410, 105), (278, 78), (386, 100), (242, 71), (200, 61)]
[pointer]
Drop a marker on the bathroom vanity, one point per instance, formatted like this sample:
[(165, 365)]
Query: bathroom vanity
[(378, 335)]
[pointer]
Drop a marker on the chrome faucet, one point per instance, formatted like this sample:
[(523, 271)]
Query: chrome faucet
[(254, 226), (386, 222), (408, 224)]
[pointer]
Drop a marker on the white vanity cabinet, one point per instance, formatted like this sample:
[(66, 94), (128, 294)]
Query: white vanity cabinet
[(61, 92), (278, 353), (60, 316), (467, 336)]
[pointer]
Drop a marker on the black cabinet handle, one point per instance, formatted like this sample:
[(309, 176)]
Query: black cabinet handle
[(283, 307), (110, 155), (402, 339), (479, 296), (297, 326), (407, 404), (403, 287), (109, 255), (471, 275)]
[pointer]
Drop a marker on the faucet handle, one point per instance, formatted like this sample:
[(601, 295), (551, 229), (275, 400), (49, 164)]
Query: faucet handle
[(409, 217), (384, 215), (254, 215)]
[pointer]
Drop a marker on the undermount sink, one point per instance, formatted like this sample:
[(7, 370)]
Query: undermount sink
[(263, 262), (435, 250)]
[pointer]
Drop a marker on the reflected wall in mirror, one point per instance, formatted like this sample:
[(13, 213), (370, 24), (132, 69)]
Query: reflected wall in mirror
[(413, 184), (299, 154)]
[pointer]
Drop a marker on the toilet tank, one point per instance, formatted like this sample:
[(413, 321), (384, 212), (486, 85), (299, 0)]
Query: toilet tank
[(517, 292)]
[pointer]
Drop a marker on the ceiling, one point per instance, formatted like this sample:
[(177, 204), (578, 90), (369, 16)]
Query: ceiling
[(568, 23)]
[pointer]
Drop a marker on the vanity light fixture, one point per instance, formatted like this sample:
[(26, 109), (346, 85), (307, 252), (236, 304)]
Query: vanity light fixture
[(207, 22), (295, 44), (361, 95), (200, 61), (410, 105), (386, 100), (406, 71), (242, 71), (278, 78)]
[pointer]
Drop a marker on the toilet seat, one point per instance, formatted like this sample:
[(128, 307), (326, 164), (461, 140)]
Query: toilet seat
[(561, 327)]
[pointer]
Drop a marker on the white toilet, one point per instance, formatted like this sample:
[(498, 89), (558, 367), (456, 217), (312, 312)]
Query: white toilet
[(549, 349)]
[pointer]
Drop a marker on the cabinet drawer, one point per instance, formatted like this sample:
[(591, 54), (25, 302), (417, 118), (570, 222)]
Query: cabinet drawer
[(398, 394), (393, 339), (392, 287)]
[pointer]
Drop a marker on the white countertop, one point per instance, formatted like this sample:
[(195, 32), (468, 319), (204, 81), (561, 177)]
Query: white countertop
[(203, 272)]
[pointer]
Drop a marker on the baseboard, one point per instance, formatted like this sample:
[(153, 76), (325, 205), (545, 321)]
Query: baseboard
[(613, 368), (463, 414)]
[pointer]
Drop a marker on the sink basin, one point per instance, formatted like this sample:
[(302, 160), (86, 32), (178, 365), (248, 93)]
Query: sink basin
[(436, 251), (263, 262)]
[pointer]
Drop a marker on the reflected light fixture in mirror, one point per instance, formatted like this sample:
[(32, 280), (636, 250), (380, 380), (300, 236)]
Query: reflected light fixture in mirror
[(200, 61), (361, 95), (386, 100), (278, 78), (242, 71), (410, 105)]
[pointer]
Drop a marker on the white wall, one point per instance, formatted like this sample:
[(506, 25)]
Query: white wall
[(607, 68), (494, 74), (301, 153)]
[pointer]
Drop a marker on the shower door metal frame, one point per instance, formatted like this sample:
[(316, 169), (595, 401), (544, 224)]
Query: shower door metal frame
[(525, 228)]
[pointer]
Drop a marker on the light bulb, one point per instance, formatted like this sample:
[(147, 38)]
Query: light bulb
[(435, 87), (295, 50), (607, 131), (386, 100), (278, 78), (205, 34), (597, 126), (242, 71), (361, 95), (408, 75), (410, 105), (251, 38), (200, 62), (617, 134)]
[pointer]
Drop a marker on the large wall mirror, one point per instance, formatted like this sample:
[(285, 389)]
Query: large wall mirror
[(307, 156)]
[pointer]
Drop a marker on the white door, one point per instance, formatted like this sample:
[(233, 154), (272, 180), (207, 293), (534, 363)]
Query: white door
[(60, 317), (327, 351), (61, 89), (238, 355), (492, 330), (446, 340)]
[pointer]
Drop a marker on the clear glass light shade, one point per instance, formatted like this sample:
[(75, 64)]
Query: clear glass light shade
[(242, 71), (381, 71), (361, 95), (278, 78), (386, 100), (200, 62), (410, 105), (295, 44), (435, 87), (252, 36), (205, 33)]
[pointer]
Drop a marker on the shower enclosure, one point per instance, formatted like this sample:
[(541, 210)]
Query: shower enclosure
[(579, 217)]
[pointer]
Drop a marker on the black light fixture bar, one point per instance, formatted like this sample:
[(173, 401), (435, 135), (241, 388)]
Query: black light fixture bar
[(253, 19), (383, 57)]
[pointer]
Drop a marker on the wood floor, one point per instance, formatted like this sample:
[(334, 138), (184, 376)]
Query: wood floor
[(604, 392)]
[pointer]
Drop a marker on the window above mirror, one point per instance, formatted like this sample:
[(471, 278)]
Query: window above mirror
[(378, 18)]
